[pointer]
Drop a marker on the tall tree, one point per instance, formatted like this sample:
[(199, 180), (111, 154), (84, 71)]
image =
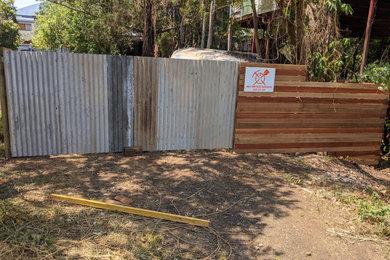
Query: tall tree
[(111, 26), (211, 24), (87, 27), (9, 34), (149, 30), (256, 27), (300, 17), (202, 41), (229, 41)]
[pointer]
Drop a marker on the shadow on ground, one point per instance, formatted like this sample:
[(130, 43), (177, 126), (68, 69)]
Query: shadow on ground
[(236, 192)]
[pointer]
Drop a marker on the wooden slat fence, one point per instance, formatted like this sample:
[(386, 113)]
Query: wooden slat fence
[(345, 119)]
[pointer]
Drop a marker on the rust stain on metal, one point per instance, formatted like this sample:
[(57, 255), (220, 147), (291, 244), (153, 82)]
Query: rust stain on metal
[(146, 74)]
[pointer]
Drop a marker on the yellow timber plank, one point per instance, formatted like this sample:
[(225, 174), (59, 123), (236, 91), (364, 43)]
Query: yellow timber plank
[(132, 210)]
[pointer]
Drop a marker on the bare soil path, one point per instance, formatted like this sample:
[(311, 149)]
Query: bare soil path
[(260, 206)]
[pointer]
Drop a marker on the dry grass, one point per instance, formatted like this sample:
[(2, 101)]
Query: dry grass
[(65, 231), (240, 194)]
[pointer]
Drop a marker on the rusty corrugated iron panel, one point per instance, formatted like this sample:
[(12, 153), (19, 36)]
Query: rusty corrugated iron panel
[(120, 73), (146, 74)]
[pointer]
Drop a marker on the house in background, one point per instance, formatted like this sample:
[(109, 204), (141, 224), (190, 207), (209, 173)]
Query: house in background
[(264, 10), (26, 20)]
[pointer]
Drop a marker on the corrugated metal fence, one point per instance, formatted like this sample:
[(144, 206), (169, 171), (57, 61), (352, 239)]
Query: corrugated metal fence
[(196, 103), (62, 103), (184, 104)]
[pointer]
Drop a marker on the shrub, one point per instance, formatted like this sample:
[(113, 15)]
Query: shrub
[(378, 73)]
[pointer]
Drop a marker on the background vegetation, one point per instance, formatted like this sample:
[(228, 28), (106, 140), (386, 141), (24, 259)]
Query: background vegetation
[(9, 35)]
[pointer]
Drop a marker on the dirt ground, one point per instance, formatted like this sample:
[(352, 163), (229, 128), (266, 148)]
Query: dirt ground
[(261, 206)]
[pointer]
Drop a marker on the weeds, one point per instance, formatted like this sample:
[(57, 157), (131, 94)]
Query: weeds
[(376, 211), (330, 158), (292, 179), (371, 209)]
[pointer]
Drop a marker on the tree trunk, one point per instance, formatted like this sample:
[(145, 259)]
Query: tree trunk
[(182, 33), (300, 16), (211, 24), (229, 42), (203, 27), (154, 23), (255, 27), (148, 36)]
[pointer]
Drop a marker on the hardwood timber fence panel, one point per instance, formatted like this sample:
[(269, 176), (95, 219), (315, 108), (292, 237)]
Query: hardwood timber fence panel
[(344, 119)]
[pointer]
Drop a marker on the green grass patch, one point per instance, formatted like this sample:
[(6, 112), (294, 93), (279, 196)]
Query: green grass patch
[(372, 209)]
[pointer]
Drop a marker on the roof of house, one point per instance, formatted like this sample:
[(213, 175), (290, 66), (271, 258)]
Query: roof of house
[(30, 10), (352, 25), (22, 19)]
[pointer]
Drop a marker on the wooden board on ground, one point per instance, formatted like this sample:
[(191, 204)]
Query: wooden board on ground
[(344, 119), (131, 210)]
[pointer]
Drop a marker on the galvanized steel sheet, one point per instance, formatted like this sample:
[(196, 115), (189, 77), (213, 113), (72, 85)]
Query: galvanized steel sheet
[(196, 104), (62, 103), (58, 103)]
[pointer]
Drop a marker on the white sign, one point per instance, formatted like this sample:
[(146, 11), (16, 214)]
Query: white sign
[(259, 79)]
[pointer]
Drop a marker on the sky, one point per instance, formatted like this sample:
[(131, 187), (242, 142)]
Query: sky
[(23, 3)]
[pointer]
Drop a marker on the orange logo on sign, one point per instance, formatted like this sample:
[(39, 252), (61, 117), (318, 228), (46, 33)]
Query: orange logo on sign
[(260, 77)]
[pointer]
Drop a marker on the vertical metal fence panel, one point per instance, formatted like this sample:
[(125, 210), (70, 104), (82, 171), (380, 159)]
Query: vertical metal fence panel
[(63, 103), (146, 74), (196, 104), (83, 94), (32, 103), (57, 103), (120, 102)]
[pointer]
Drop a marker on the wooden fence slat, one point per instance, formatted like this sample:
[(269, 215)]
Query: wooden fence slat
[(309, 115), (325, 89), (255, 123), (300, 116), (345, 149), (297, 94), (310, 100), (308, 138), (4, 107), (335, 85), (310, 108), (309, 130)]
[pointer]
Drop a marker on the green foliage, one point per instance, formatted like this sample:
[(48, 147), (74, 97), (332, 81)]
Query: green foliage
[(375, 210), (372, 209), (112, 26), (378, 73), (339, 6), (340, 61), (86, 27), (9, 34)]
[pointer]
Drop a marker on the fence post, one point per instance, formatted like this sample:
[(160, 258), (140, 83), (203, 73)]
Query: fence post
[(4, 108)]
